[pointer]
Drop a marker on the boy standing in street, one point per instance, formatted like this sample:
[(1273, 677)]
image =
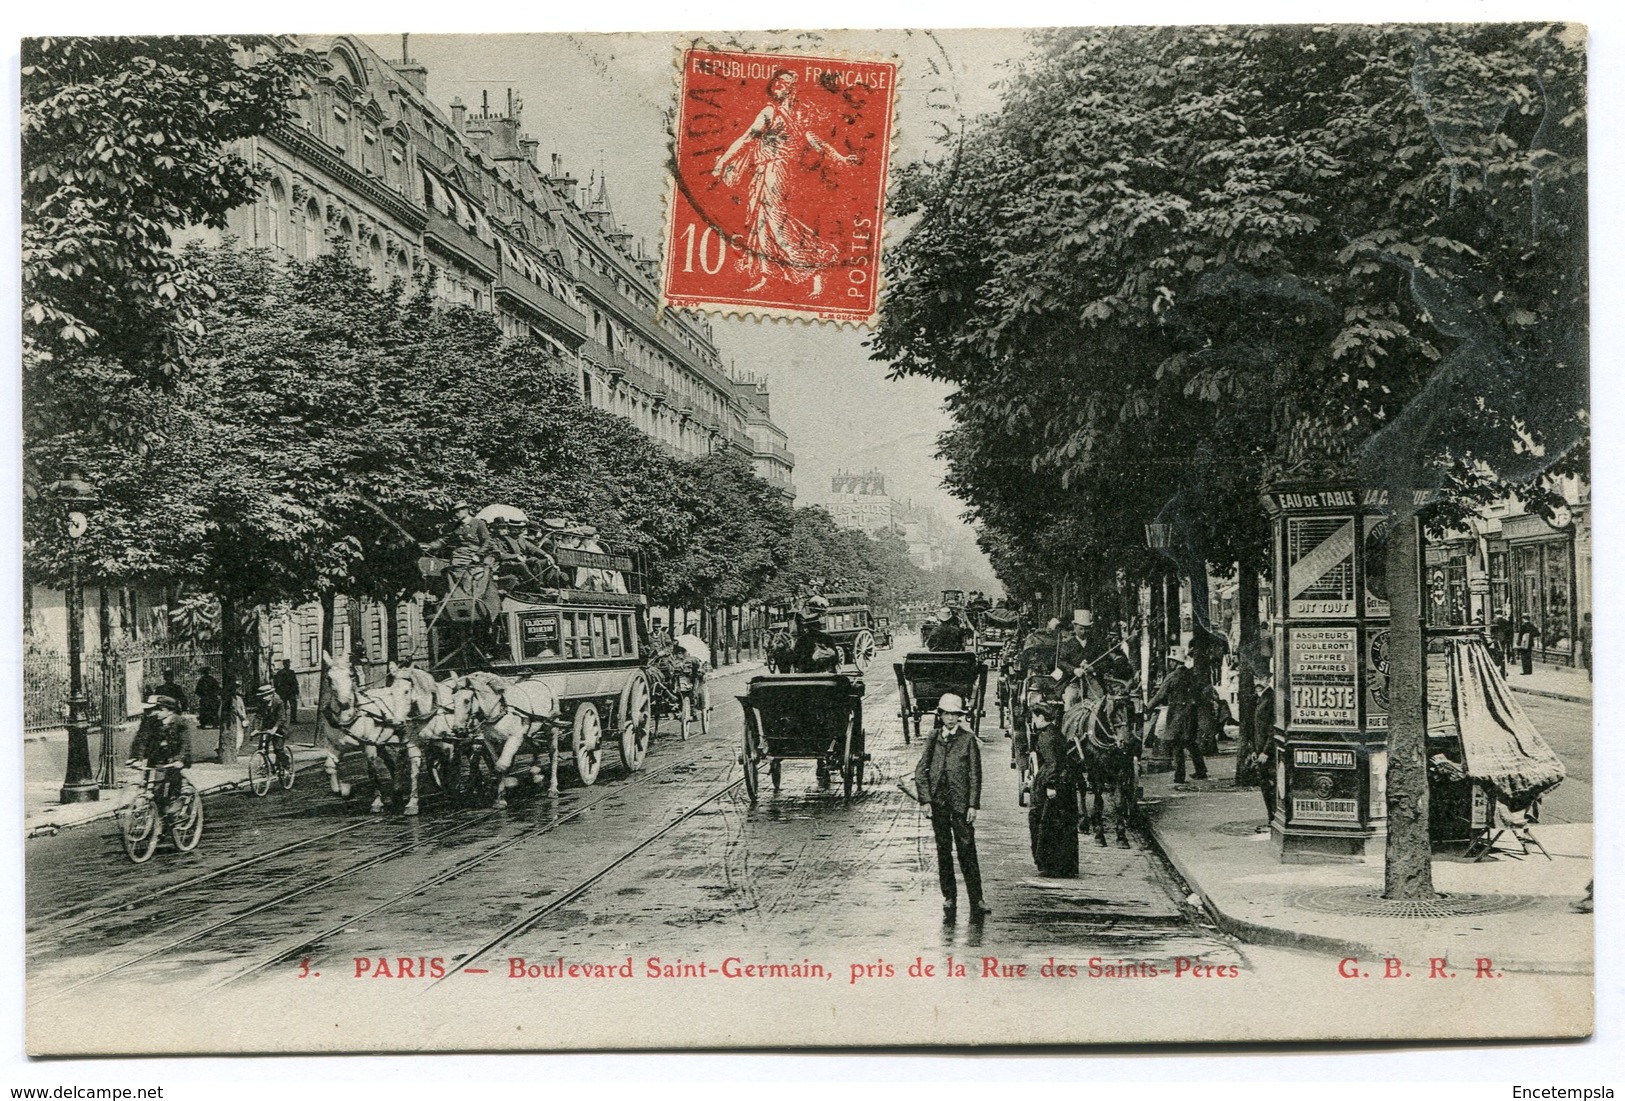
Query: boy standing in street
[(949, 782)]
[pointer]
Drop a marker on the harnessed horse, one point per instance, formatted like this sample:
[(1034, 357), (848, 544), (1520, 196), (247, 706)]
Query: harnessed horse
[(373, 719), (514, 711), (1099, 735)]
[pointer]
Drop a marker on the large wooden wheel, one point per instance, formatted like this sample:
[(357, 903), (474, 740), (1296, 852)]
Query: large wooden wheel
[(637, 724), (863, 650), (587, 740), (748, 758)]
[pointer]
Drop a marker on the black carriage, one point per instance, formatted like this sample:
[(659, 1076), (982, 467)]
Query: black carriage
[(811, 717), (924, 677), (850, 623)]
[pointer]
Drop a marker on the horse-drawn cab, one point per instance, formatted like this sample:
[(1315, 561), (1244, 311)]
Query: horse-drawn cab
[(850, 623), (925, 676), (550, 646)]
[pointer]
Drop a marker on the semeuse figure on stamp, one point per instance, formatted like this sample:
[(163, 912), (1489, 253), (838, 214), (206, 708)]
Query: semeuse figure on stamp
[(948, 780), (777, 243)]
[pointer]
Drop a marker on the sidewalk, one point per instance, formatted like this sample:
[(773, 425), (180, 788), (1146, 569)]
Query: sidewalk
[(1520, 909), (1553, 682), (45, 762)]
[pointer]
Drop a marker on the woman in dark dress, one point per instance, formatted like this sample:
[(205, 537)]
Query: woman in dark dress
[(1053, 818)]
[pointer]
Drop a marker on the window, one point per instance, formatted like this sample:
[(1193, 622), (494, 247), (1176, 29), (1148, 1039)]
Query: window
[(375, 262), (599, 644), (313, 231), (538, 635), (614, 639), (567, 639), (276, 202)]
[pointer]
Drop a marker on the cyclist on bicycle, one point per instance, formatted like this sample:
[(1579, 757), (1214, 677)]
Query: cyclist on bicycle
[(163, 741), (271, 719)]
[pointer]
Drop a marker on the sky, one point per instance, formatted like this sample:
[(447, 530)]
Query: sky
[(601, 102)]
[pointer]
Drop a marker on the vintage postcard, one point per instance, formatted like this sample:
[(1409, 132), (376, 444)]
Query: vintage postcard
[(806, 539)]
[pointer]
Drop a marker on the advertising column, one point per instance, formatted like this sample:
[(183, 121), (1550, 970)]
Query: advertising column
[(1331, 646)]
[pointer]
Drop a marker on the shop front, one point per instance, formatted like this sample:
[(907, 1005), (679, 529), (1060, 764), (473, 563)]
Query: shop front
[(1539, 564)]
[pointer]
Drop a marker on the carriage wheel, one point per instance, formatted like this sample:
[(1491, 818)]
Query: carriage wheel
[(635, 733), (863, 650), (686, 714), (748, 759), (587, 738), (702, 696)]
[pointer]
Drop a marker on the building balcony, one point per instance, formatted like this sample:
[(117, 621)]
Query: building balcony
[(449, 234), (535, 300), (774, 452)]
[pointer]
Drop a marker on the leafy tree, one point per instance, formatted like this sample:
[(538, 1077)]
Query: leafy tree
[(1181, 261), (123, 141)]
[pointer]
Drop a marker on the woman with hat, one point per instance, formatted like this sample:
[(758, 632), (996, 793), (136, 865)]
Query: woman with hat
[(1052, 820), (814, 650)]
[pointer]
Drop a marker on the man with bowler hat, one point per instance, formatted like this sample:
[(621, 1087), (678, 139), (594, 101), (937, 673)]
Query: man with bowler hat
[(949, 782)]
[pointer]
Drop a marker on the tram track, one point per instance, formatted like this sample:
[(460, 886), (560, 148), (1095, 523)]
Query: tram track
[(328, 881)]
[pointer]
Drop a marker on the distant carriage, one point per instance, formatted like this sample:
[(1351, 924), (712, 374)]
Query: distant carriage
[(808, 717), (924, 677), (850, 623)]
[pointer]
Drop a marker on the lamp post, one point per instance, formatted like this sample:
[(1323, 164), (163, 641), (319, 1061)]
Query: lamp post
[(76, 495)]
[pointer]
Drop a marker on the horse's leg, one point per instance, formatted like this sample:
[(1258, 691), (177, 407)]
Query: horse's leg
[(510, 749), (414, 764), (553, 759), (373, 763), (331, 751)]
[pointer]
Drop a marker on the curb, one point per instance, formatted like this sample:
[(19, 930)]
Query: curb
[(1550, 695), (1251, 932)]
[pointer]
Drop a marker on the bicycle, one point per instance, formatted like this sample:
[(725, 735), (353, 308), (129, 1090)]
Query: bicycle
[(142, 822), (270, 763)]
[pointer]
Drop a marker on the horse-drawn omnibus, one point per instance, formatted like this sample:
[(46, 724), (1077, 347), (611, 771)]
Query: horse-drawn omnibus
[(560, 658), (850, 623)]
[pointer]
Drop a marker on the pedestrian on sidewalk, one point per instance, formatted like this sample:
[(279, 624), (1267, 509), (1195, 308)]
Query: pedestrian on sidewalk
[(948, 779), (1585, 643), (1527, 633), (286, 683), (1501, 639), (171, 690), (1180, 692), (1052, 820), (1258, 749), (208, 698)]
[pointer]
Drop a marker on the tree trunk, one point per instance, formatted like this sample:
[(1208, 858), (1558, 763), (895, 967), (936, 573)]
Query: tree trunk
[(708, 624), (1157, 630), (230, 677), (1408, 861), (329, 642), (1247, 648)]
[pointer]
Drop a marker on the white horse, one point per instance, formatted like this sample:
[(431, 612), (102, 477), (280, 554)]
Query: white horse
[(373, 719), (513, 711)]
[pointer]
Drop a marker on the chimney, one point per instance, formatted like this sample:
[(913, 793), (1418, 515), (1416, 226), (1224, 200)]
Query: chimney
[(414, 74), (530, 146), (459, 112)]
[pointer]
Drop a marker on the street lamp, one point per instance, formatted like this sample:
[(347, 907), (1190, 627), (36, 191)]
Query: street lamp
[(75, 495)]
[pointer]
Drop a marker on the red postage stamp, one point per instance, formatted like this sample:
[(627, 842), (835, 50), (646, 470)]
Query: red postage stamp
[(779, 184)]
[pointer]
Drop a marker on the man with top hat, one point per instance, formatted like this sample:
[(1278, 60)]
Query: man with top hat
[(1072, 651), (469, 542), (948, 781), (950, 635)]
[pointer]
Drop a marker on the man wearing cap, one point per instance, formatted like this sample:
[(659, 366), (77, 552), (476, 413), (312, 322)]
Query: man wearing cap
[(163, 738), (469, 541), (271, 714), (950, 635), (949, 782)]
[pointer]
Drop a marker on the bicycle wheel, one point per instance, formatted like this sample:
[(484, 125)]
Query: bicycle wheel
[(260, 771), (138, 828), (284, 768), (187, 828)]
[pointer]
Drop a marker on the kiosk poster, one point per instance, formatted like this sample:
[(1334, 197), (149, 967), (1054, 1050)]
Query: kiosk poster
[(512, 526), (1320, 567), (1322, 678), (1374, 566)]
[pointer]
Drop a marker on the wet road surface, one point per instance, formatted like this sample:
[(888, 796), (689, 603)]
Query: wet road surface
[(671, 863)]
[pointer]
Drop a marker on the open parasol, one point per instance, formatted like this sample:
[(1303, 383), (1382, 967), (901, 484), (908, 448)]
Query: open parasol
[(694, 647), (503, 512)]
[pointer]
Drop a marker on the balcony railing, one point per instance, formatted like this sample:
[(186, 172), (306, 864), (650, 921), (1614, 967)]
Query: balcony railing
[(539, 300), (450, 233)]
